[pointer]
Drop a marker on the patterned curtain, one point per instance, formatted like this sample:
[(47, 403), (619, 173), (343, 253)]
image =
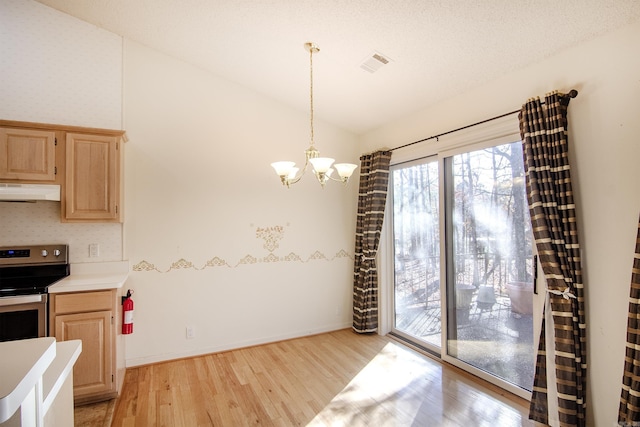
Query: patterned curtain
[(372, 196), (630, 398), (545, 149)]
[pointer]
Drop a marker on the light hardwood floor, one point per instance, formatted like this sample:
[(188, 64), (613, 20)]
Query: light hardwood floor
[(95, 414), (333, 379)]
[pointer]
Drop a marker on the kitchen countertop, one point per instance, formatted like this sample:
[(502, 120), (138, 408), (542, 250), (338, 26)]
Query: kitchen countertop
[(67, 353), (93, 277), (29, 363), (24, 362)]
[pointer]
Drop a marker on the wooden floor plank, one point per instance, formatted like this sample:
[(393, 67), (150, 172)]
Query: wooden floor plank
[(339, 379)]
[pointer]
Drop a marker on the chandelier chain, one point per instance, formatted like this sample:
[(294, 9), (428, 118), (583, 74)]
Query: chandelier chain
[(311, 90)]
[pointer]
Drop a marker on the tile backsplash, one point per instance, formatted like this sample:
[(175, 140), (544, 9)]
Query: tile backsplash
[(39, 223)]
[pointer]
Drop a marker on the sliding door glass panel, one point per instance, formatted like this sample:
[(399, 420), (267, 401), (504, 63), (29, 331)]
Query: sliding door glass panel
[(489, 263), (417, 300)]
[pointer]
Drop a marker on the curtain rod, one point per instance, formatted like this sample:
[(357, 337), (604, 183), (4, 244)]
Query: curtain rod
[(572, 94)]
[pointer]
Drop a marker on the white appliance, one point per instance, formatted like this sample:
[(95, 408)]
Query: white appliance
[(10, 192)]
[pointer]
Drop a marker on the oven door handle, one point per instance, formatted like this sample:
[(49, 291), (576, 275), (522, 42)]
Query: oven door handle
[(22, 299)]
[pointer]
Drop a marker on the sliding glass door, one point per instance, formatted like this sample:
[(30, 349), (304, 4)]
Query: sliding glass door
[(489, 263), (480, 318), (416, 225)]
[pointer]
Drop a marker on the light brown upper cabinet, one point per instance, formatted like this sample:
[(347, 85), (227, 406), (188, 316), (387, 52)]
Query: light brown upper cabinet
[(87, 161), (27, 155), (92, 187)]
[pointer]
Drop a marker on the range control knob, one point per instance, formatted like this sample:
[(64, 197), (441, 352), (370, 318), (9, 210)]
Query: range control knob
[(56, 252), (44, 253)]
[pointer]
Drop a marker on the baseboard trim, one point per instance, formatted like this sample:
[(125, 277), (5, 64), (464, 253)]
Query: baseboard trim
[(150, 360)]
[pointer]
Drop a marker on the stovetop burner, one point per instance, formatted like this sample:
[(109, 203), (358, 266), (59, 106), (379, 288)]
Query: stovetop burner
[(26, 270)]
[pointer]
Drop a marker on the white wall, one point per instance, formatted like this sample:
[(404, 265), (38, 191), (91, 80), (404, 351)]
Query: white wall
[(199, 189), (58, 69), (604, 124)]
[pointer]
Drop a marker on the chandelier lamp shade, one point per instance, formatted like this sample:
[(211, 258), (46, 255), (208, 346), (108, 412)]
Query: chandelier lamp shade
[(323, 167)]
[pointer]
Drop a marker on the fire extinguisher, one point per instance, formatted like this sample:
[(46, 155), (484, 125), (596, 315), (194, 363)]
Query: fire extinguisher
[(127, 314)]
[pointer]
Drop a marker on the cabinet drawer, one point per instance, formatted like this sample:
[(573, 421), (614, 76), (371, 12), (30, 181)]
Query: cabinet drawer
[(83, 301)]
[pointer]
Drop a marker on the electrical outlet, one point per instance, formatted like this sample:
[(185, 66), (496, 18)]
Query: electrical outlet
[(94, 250), (191, 332)]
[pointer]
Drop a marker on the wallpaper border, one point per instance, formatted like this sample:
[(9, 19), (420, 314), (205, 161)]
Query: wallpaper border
[(270, 236), (184, 264)]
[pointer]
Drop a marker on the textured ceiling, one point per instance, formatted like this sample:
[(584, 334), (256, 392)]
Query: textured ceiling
[(438, 48)]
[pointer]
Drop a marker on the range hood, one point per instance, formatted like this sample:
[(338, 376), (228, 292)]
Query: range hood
[(29, 192)]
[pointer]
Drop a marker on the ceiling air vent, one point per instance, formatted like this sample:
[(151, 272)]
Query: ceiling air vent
[(374, 62)]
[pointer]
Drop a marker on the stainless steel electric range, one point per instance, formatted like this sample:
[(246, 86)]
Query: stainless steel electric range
[(25, 274)]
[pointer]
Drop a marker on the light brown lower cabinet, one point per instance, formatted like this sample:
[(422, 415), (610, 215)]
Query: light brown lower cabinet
[(90, 317)]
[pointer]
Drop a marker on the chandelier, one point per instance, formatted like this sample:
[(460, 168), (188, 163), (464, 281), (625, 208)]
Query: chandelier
[(322, 166)]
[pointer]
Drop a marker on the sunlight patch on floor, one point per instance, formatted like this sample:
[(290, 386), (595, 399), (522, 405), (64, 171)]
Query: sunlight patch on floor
[(399, 387)]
